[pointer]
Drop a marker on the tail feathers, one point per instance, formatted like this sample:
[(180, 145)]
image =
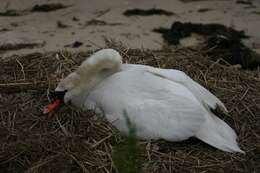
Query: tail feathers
[(217, 133)]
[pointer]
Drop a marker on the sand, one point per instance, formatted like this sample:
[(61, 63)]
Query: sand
[(134, 32)]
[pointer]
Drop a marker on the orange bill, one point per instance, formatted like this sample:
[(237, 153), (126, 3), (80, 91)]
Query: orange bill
[(50, 107)]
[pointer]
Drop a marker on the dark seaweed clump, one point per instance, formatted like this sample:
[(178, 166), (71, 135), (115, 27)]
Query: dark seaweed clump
[(219, 40), (97, 22), (181, 30), (35, 8), (75, 44), (148, 12), (233, 51), (48, 7), (246, 2), (10, 13)]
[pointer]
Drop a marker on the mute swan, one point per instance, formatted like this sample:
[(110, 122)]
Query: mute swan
[(161, 103)]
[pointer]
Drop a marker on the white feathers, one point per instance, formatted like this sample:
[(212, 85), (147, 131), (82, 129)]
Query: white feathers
[(161, 103), (218, 134), (202, 94), (106, 59), (157, 115)]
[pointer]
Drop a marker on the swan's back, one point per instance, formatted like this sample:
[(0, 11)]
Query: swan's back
[(158, 107)]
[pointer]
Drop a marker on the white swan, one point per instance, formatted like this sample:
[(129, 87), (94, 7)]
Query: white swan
[(161, 103)]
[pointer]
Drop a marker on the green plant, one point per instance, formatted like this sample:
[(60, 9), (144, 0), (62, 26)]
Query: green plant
[(126, 156)]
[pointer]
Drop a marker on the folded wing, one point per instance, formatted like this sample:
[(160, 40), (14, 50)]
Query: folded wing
[(201, 93)]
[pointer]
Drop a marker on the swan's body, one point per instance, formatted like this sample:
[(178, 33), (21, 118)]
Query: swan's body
[(161, 103)]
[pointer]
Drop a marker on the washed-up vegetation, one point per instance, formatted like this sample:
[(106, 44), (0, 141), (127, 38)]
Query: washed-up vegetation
[(219, 40)]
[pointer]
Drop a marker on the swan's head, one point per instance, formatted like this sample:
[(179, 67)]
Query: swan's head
[(69, 86), (90, 73), (93, 70)]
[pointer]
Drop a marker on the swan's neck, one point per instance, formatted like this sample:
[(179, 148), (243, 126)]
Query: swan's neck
[(92, 72)]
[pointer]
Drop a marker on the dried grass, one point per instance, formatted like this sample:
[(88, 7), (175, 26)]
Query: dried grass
[(76, 141)]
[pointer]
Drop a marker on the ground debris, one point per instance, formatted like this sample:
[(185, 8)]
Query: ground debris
[(256, 12), (75, 44), (16, 44), (245, 2), (100, 23), (220, 41), (203, 10), (100, 13), (194, 0), (181, 30), (75, 19), (2, 29), (48, 7), (232, 50), (35, 8), (147, 12), (60, 24), (11, 13)]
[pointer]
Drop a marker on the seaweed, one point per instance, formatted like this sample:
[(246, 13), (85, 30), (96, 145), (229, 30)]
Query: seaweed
[(75, 44), (245, 2), (35, 8), (232, 50), (203, 10), (101, 23), (20, 44), (219, 40), (60, 24), (147, 12), (48, 7), (11, 13), (185, 1), (181, 30)]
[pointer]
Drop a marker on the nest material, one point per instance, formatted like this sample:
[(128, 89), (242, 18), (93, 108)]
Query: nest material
[(76, 141)]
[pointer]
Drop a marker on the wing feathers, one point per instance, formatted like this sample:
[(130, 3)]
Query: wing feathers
[(201, 93)]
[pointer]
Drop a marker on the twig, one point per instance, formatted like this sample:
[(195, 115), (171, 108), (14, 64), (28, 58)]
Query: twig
[(101, 141), (22, 69), (62, 127), (21, 83), (243, 96), (78, 162), (42, 163)]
